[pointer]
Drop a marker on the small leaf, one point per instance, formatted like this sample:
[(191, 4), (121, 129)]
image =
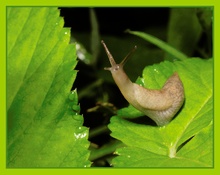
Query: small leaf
[(187, 130)]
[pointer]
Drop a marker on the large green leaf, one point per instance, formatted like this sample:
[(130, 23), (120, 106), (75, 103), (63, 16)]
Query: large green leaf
[(187, 140), (44, 127)]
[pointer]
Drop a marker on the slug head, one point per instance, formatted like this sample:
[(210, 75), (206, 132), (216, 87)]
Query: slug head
[(115, 66)]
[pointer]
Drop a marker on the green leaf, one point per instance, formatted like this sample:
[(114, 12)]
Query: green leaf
[(172, 145), (44, 127), (161, 44)]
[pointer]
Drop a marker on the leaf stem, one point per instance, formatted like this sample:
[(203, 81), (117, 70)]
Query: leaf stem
[(105, 150), (98, 130)]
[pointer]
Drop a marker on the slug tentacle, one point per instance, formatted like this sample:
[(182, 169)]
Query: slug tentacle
[(128, 55), (160, 105), (111, 59)]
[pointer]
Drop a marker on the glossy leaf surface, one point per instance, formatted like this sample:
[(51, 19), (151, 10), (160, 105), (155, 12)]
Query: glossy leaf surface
[(44, 127)]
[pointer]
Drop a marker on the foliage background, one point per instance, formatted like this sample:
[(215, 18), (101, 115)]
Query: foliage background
[(94, 85), (186, 29)]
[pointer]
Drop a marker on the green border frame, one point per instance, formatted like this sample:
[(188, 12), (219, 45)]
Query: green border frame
[(112, 3)]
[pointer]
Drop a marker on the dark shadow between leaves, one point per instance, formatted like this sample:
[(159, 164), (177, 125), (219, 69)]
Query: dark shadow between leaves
[(144, 120)]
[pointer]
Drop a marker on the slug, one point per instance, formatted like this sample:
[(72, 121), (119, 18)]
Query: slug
[(160, 105)]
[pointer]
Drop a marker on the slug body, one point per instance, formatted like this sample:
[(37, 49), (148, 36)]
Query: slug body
[(160, 105)]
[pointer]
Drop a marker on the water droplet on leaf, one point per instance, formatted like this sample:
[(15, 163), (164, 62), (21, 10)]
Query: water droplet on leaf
[(155, 70), (81, 133)]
